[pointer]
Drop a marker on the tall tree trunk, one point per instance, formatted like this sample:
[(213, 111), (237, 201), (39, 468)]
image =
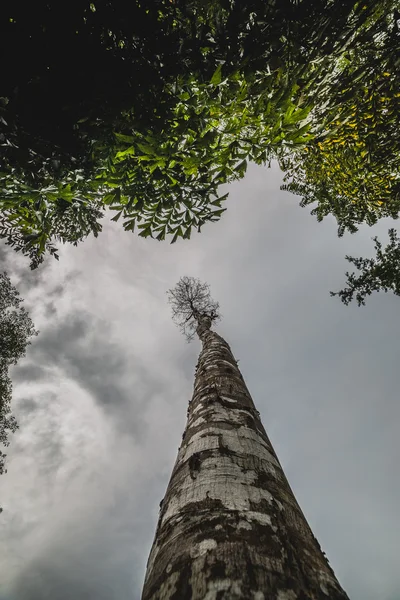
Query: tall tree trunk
[(230, 527)]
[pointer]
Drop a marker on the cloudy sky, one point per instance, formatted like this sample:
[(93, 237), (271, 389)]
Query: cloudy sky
[(101, 396)]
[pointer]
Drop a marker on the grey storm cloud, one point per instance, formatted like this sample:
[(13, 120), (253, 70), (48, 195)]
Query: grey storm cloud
[(79, 565), (80, 347), (4, 252), (95, 556), (30, 372), (16, 265), (47, 448), (27, 405)]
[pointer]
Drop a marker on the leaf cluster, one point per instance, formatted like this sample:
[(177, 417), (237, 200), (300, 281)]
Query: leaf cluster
[(351, 169), (377, 274), (16, 328), (33, 217)]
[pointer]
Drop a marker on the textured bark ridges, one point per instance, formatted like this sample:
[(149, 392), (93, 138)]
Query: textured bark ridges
[(229, 526)]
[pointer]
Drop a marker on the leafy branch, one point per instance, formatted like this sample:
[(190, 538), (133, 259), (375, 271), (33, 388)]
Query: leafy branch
[(377, 274)]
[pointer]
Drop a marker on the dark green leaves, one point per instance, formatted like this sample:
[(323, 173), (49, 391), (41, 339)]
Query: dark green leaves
[(376, 274), (32, 219), (16, 328), (165, 106), (351, 167), (128, 139), (217, 76)]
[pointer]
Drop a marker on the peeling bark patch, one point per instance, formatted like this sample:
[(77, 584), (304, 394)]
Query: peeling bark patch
[(183, 586), (264, 479), (194, 465), (205, 505), (260, 517), (218, 570), (203, 547), (286, 595), (217, 589), (224, 450), (228, 400), (198, 421), (244, 525)]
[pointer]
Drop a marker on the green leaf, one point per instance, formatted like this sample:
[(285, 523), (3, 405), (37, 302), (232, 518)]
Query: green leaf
[(146, 232), (217, 76), (178, 233), (130, 225), (218, 213), (124, 153), (128, 139), (117, 216), (241, 168), (146, 149), (109, 198)]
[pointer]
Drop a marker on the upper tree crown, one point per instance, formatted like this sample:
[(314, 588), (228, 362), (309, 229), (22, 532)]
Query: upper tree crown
[(193, 308)]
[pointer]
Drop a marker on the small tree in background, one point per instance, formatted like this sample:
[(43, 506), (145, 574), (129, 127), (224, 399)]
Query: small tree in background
[(229, 526), (16, 328), (377, 274)]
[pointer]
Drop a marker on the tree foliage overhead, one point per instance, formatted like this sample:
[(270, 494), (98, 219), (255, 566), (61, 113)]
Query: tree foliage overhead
[(16, 328), (191, 301), (147, 108), (377, 274), (351, 169)]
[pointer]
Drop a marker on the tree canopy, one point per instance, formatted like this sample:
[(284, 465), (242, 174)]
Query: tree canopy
[(147, 108), (16, 329), (351, 169)]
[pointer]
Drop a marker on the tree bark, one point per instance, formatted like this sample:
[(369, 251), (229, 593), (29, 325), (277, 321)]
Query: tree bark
[(230, 527)]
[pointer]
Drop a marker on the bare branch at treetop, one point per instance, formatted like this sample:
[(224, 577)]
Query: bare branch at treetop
[(191, 302)]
